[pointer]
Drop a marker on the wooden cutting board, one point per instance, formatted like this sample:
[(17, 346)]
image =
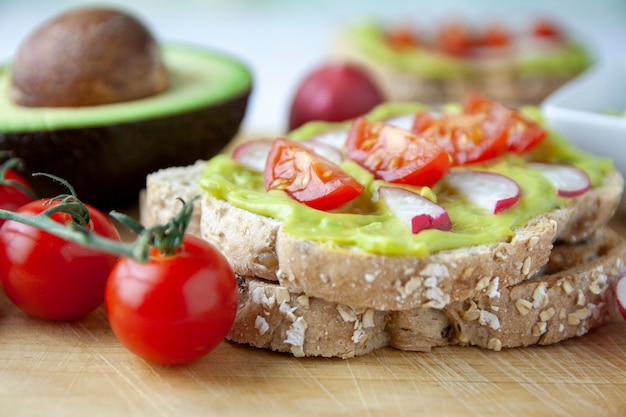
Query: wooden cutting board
[(79, 369)]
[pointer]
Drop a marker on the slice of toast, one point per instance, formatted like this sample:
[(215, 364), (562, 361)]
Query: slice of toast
[(257, 246), (572, 295), (431, 77)]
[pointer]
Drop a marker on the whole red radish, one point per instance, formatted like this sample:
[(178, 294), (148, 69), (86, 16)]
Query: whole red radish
[(334, 92)]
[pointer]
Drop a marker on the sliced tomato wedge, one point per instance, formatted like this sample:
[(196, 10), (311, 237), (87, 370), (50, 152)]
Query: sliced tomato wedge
[(468, 138), (396, 155), (308, 177), (402, 38), (546, 28), (455, 38), (495, 35), (522, 133)]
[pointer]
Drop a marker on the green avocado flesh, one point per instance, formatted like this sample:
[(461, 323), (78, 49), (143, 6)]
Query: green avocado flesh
[(198, 78), (368, 38), (106, 151), (369, 225)]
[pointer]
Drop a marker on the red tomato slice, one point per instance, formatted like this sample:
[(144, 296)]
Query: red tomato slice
[(402, 38), (395, 154), (545, 28), (468, 138), (522, 133), (495, 35), (455, 38), (308, 177)]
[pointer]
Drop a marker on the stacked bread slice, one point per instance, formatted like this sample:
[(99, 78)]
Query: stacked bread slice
[(551, 281)]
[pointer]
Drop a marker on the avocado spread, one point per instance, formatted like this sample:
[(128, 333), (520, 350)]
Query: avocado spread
[(367, 223)]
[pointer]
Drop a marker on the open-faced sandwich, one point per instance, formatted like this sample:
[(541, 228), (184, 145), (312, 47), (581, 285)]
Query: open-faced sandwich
[(429, 63), (411, 227)]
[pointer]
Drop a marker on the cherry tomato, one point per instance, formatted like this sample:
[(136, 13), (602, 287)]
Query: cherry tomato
[(522, 133), (334, 92), (11, 197), (50, 277), (308, 177), (174, 308), (396, 155)]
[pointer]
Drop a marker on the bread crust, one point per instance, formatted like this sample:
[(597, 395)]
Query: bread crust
[(543, 310)]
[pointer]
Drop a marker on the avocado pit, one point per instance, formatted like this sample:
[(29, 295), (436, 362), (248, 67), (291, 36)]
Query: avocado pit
[(87, 57)]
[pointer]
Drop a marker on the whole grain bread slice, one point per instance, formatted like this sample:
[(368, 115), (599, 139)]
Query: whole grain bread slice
[(571, 296), (257, 246)]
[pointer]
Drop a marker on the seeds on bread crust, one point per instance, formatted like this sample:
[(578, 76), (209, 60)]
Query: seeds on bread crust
[(322, 328)]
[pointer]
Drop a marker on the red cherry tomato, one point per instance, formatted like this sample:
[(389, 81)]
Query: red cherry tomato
[(11, 197), (522, 133), (396, 155), (174, 308), (333, 92), (50, 277), (308, 177)]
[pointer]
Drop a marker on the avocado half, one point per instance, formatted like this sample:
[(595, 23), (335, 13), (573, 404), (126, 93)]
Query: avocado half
[(106, 151)]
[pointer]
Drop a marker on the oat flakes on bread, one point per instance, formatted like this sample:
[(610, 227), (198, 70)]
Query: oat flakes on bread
[(571, 296), (411, 63)]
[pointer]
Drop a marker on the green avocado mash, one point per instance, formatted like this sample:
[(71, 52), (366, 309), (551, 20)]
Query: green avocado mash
[(367, 223), (368, 38)]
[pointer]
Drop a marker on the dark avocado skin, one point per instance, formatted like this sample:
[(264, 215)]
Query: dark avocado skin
[(123, 153)]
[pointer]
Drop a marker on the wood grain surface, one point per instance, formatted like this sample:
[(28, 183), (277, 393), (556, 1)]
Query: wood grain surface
[(78, 368)]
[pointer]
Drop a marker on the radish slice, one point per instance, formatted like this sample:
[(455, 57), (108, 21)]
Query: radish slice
[(253, 154), (414, 210), (569, 180), (334, 138), (325, 150), (404, 121), (620, 294), (491, 191)]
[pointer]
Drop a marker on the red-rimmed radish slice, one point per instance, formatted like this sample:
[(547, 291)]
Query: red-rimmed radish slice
[(569, 180), (329, 152), (491, 191), (620, 294), (334, 138), (414, 210), (253, 154), (405, 121)]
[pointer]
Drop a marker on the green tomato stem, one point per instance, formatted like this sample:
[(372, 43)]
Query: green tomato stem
[(138, 250)]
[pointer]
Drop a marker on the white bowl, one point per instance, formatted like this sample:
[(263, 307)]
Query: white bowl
[(590, 111)]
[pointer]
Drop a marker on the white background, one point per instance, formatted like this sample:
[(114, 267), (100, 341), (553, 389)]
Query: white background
[(281, 40)]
